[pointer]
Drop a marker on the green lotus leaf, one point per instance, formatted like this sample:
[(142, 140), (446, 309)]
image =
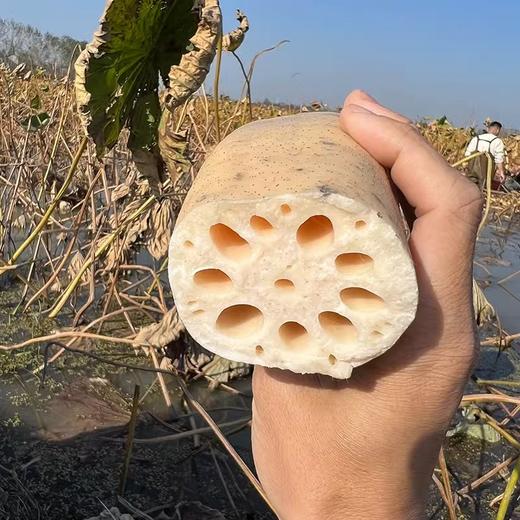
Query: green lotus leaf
[(118, 74)]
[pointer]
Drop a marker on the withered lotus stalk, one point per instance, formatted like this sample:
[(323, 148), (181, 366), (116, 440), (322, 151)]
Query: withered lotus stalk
[(290, 250)]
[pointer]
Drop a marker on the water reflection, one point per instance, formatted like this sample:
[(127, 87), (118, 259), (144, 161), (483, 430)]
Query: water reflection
[(497, 257)]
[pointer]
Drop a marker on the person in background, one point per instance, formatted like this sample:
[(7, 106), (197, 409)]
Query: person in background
[(512, 183), (491, 143)]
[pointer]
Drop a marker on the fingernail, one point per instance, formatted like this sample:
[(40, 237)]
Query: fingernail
[(359, 109), (368, 97)]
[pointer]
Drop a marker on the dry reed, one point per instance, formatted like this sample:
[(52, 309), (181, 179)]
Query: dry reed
[(80, 265)]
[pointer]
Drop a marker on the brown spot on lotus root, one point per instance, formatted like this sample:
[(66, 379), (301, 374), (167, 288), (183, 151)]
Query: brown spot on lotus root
[(284, 285), (188, 244), (376, 334), (360, 299), (315, 233), (285, 209), (350, 263), (332, 359), (198, 312), (360, 224), (213, 280), (294, 335), (229, 243), (337, 327), (259, 350), (240, 321), (261, 225)]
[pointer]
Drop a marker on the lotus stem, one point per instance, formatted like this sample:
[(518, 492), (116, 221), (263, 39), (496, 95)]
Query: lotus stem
[(508, 493), (489, 177), (216, 84), (106, 243), (130, 440), (466, 159), (43, 222)]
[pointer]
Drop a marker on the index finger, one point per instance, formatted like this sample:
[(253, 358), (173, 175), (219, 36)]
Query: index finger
[(361, 98), (426, 180)]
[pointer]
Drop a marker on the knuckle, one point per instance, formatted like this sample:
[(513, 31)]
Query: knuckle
[(410, 131), (355, 95), (464, 200)]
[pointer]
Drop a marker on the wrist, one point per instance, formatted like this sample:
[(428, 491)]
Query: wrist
[(360, 506), (387, 479), (395, 495)]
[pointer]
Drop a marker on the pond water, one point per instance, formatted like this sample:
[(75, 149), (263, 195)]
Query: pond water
[(497, 258), (61, 442)]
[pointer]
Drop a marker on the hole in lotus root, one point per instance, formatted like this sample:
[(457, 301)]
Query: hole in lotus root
[(315, 233), (361, 300), (338, 327), (213, 280), (284, 285), (230, 243), (332, 359), (261, 225), (240, 321), (285, 209), (351, 263), (294, 335)]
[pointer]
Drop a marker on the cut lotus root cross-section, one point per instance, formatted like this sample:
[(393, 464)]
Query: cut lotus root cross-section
[(290, 250)]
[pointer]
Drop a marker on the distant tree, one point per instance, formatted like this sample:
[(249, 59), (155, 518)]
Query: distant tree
[(20, 43)]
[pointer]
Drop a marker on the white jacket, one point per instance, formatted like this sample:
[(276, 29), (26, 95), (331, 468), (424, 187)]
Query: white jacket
[(487, 143)]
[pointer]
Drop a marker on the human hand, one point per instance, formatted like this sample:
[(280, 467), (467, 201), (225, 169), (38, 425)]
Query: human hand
[(500, 174), (366, 448)]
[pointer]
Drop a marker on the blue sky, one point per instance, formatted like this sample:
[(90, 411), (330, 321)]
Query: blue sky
[(458, 58)]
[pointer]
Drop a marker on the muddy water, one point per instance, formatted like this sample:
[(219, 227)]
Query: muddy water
[(469, 456), (498, 257), (64, 437), (72, 437)]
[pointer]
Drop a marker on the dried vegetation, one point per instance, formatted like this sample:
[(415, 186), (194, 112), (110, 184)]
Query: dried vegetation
[(102, 253)]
